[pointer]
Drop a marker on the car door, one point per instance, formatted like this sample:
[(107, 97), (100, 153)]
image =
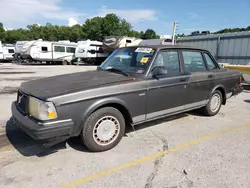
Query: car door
[(200, 82), (166, 93)]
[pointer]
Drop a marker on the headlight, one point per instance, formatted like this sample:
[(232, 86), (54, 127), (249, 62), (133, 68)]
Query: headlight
[(42, 110)]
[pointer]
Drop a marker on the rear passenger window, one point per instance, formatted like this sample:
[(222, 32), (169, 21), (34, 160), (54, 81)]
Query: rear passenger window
[(211, 65), (193, 61), (168, 59)]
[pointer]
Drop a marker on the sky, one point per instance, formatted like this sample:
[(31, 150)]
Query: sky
[(191, 15)]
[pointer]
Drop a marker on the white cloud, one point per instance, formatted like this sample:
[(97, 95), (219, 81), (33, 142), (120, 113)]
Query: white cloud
[(72, 21), (195, 15), (131, 15), (21, 12)]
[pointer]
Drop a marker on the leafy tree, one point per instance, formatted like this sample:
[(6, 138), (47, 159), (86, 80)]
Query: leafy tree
[(149, 34), (1, 28), (92, 28)]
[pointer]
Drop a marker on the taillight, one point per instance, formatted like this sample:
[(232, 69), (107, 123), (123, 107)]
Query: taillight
[(240, 80)]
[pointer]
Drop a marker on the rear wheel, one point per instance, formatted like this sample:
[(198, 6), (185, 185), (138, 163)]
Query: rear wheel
[(65, 62), (214, 104), (103, 129)]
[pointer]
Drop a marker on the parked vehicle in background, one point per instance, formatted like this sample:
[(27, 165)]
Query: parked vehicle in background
[(133, 85), (90, 52), (110, 43), (1, 50), (6, 52), (50, 52), (18, 48)]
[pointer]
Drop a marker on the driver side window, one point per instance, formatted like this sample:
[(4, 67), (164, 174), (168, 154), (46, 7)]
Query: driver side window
[(169, 61)]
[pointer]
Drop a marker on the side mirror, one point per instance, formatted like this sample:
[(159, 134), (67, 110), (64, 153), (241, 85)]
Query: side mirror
[(159, 71)]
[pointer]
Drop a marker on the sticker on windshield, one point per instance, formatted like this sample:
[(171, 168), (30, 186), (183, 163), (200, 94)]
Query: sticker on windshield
[(144, 50), (144, 60)]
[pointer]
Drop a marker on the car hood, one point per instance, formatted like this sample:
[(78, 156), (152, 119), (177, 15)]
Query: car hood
[(69, 83)]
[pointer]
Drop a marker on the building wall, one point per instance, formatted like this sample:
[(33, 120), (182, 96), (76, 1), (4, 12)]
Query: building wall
[(233, 48)]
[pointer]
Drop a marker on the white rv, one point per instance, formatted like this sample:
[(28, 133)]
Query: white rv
[(6, 52), (50, 52), (18, 48), (1, 50), (110, 43), (90, 52)]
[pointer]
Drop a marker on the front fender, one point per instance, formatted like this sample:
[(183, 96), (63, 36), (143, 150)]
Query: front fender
[(102, 102), (96, 105)]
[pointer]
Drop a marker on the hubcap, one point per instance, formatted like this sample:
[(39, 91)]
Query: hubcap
[(215, 102), (106, 130)]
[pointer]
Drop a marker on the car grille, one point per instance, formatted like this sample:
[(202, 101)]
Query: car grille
[(22, 102)]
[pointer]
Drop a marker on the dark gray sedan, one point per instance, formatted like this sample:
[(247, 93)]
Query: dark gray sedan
[(133, 85)]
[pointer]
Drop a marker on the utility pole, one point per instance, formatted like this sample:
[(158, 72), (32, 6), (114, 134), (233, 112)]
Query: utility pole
[(173, 34)]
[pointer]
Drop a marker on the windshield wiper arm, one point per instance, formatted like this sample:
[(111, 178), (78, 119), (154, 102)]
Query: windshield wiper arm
[(117, 70)]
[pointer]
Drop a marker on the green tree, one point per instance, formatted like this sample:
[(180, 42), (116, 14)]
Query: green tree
[(149, 34), (1, 28), (135, 34), (92, 29)]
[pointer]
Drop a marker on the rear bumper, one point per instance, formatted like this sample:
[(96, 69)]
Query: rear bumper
[(237, 90), (42, 131)]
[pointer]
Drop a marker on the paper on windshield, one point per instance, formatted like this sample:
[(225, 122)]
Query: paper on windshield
[(144, 50), (144, 60)]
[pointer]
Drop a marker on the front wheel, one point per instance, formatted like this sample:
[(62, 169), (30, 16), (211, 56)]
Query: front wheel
[(103, 129), (214, 104)]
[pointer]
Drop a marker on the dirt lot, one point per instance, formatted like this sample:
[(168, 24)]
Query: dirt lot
[(184, 151)]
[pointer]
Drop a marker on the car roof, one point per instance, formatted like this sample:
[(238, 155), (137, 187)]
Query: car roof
[(167, 46)]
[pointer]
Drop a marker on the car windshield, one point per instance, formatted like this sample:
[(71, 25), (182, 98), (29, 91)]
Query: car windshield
[(129, 60)]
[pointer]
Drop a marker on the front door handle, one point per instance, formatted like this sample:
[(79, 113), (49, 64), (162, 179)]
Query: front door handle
[(183, 79), (210, 76)]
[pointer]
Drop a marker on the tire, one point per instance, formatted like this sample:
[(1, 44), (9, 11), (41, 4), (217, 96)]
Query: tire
[(64, 62), (94, 139), (211, 109)]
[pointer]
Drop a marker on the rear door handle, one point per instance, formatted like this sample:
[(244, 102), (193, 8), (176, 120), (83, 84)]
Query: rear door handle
[(183, 79), (210, 76)]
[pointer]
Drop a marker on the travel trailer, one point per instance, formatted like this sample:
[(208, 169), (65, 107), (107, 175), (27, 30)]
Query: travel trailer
[(18, 48), (110, 43), (6, 52), (164, 41), (1, 50), (50, 52), (90, 52)]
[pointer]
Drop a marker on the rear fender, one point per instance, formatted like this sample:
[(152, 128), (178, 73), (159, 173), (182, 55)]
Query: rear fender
[(222, 89)]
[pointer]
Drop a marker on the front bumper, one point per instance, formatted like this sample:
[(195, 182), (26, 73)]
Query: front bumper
[(39, 130)]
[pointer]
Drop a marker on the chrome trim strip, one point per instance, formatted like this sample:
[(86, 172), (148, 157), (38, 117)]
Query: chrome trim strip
[(162, 112), (55, 122), (139, 118), (175, 109)]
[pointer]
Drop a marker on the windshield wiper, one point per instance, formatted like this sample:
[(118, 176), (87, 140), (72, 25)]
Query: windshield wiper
[(117, 70)]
